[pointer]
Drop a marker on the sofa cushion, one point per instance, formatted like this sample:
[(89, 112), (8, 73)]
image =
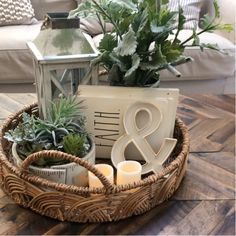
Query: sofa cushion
[(41, 7), (209, 64), (91, 24), (16, 64), (16, 12)]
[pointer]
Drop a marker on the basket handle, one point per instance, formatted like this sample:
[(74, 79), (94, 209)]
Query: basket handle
[(65, 156)]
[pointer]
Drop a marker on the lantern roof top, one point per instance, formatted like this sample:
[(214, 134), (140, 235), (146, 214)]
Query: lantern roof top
[(63, 45)]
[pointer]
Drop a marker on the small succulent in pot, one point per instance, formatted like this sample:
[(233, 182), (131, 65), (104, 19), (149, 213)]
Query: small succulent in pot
[(64, 130)]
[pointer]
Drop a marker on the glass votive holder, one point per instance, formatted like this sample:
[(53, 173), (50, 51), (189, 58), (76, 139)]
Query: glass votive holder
[(106, 170), (128, 172)]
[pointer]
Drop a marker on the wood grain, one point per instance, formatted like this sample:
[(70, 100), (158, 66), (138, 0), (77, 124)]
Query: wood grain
[(10, 103), (210, 124), (206, 181), (223, 102), (204, 203), (202, 219)]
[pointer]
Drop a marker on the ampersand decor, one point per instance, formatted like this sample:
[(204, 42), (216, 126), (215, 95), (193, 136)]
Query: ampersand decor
[(154, 161)]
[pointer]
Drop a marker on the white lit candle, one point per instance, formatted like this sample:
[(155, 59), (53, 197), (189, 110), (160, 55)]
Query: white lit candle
[(106, 170), (128, 172)]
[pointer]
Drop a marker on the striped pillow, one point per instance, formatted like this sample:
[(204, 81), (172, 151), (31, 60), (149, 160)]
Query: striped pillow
[(15, 12), (191, 10)]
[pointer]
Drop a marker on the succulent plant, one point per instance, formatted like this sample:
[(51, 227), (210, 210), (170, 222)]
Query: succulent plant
[(64, 130), (77, 145)]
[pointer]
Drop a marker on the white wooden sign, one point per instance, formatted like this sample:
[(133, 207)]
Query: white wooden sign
[(105, 107)]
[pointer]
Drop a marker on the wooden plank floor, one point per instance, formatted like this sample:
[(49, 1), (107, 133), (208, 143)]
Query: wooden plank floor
[(204, 203)]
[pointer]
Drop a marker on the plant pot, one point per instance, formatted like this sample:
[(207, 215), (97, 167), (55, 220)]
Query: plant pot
[(70, 173)]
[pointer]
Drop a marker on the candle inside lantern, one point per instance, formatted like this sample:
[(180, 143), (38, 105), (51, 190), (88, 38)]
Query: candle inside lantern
[(128, 172), (106, 170)]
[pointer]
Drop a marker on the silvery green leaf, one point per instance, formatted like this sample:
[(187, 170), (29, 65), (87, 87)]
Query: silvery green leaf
[(227, 27), (165, 1), (116, 60), (99, 58), (157, 29), (211, 46), (181, 19), (54, 138), (206, 21), (125, 4), (135, 65), (114, 75), (108, 43), (196, 39), (9, 137), (217, 9), (140, 21), (156, 61), (62, 130), (130, 80), (83, 10), (127, 45)]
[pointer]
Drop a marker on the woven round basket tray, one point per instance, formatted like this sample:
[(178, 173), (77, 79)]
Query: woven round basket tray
[(84, 204)]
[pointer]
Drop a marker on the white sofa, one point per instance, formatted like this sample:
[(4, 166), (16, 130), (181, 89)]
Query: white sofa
[(211, 71)]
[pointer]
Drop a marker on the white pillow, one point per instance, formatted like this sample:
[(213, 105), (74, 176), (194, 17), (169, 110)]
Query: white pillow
[(191, 10), (16, 12)]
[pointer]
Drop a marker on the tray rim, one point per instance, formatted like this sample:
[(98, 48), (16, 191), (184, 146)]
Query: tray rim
[(36, 180)]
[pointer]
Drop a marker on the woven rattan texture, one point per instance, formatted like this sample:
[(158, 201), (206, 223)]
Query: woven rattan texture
[(81, 204)]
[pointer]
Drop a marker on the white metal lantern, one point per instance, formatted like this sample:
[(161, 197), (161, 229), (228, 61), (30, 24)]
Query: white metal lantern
[(62, 56)]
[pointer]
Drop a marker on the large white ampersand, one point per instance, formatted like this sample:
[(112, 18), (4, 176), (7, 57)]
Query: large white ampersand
[(154, 161)]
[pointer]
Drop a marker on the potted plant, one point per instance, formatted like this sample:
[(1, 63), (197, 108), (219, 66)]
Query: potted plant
[(140, 46), (144, 40), (64, 131)]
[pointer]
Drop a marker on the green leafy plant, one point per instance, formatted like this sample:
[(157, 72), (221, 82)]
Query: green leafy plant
[(140, 46), (64, 130)]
